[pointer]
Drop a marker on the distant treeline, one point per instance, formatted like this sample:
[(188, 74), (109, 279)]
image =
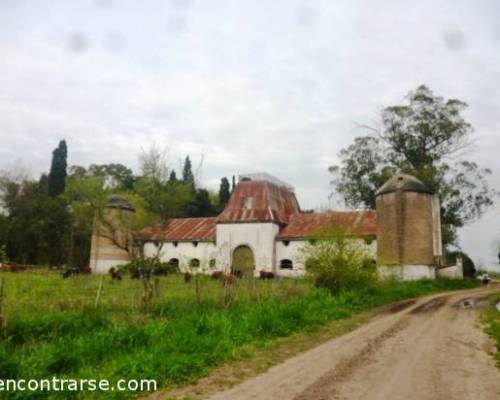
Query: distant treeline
[(48, 221)]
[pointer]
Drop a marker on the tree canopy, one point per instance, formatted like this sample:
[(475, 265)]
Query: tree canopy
[(50, 220), (424, 137)]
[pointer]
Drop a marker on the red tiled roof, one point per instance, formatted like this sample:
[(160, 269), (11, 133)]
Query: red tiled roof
[(260, 201), (201, 229), (358, 223)]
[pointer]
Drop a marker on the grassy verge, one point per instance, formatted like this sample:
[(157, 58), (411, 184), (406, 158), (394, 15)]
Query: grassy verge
[(491, 318), (53, 328)]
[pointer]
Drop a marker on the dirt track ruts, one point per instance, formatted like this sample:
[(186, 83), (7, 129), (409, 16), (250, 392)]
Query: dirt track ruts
[(427, 349)]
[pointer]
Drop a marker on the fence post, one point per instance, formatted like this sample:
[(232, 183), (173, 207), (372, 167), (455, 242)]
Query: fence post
[(99, 291), (2, 308)]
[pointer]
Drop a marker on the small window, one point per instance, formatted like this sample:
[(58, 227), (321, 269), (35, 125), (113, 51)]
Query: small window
[(312, 241), (212, 263), (286, 264), (286, 242), (175, 244), (248, 203), (174, 262), (194, 263), (195, 243)]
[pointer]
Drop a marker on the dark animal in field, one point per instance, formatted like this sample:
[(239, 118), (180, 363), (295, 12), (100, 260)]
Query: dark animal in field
[(160, 271), (75, 271), (217, 275), (115, 274), (266, 275)]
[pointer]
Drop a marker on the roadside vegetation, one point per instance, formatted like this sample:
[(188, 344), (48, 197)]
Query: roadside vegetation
[(491, 318), (52, 326)]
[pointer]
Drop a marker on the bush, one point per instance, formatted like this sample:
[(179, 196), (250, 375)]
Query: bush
[(337, 264), (140, 268), (3, 254)]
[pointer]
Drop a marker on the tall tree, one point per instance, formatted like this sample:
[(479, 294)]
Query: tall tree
[(201, 205), (173, 176), (187, 173), (418, 137), (224, 191), (233, 184), (57, 175)]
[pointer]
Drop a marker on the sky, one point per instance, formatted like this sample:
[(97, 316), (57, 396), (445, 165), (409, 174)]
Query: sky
[(241, 85)]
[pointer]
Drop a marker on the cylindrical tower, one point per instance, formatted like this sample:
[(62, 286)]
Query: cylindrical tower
[(112, 239), (408, 229)]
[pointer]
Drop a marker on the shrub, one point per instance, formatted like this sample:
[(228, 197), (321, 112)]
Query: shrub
[(141, 268), (337, 263), (3, 254)]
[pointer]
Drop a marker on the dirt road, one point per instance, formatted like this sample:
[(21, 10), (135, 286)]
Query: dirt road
[(428, 349)]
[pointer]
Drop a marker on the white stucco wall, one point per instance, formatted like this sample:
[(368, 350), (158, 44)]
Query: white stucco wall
[(260, 237), (407, 272), (294, 251), (184, 252)]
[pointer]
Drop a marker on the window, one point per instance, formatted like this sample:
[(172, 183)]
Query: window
[(369, 239), (286, 242), (195, 243), (286, 264), (194, 263), (175, 244), (212, 263), (312, 241), (174, 262), (248, 203)]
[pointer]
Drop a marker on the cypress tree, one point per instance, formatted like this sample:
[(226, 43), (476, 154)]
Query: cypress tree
[(57, 175), (234, 185), (173, 176), (187, 173), (224, 192)]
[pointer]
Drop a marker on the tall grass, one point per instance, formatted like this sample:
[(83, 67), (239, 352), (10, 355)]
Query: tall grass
[(53, 328)]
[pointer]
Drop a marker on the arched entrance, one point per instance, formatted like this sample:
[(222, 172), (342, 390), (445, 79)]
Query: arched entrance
[(243, 261)]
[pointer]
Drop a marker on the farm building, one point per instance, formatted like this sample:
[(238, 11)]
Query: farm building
[(262, 228)]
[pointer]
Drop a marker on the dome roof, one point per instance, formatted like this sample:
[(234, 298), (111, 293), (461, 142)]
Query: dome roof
[(116, 201), (404, 183)]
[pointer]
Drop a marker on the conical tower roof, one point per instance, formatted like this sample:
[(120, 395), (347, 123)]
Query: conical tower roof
[(404, 183)]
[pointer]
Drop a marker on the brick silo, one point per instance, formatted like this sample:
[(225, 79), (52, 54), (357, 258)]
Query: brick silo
[(408, 229), (112, 235)]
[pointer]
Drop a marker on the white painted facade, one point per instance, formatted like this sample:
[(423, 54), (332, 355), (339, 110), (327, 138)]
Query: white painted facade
[(185, 251), (268, 251), (260, 237)]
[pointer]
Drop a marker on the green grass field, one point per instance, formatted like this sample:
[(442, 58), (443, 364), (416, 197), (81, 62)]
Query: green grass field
[(54, 329)]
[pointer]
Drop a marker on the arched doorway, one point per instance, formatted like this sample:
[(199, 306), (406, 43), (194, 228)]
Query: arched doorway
[(243, 261)]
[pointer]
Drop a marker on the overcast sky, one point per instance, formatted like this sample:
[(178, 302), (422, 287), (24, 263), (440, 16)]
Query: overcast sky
[(252, 85)]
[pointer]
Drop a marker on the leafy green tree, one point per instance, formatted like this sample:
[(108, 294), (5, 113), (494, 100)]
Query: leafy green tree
[(37, 225), (187, 173), (224, 191), (420, 138), (57, 175), (201, 206)]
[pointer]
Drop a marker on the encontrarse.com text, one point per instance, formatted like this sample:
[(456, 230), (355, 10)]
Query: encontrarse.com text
[(76, 385)]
